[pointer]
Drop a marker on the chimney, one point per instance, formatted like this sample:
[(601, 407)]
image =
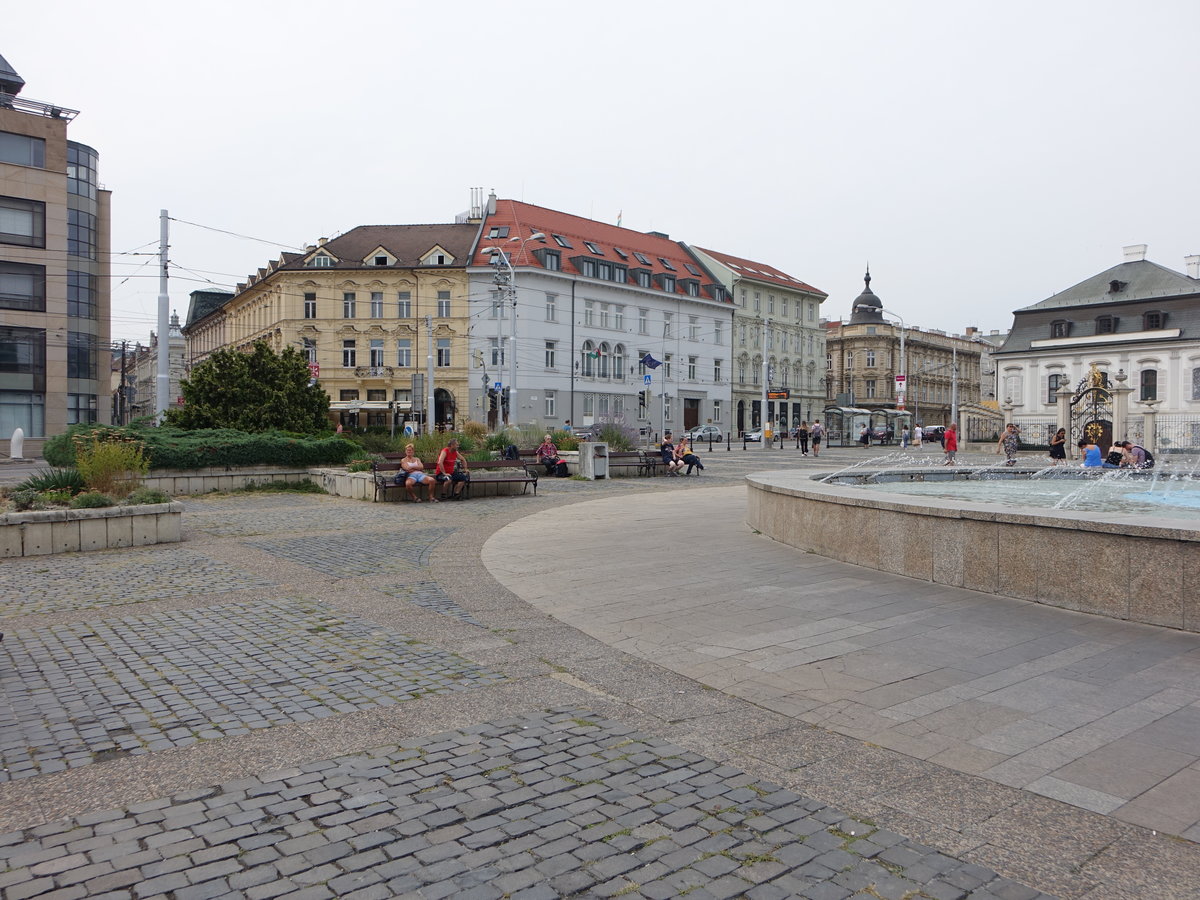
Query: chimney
[(492, 202), (322, 242), (1193, 266), (1134, 252)]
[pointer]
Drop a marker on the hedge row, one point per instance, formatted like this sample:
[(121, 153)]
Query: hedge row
[(174, 448)]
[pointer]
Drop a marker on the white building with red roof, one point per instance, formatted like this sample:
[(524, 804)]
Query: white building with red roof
[(596, 306), (777, 317)]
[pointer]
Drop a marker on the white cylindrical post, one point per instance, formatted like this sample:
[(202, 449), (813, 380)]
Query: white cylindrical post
[(430, 420)]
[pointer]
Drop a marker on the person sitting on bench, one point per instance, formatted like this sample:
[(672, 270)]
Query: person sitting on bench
[(452, 466), (415, 474), (547, 455)]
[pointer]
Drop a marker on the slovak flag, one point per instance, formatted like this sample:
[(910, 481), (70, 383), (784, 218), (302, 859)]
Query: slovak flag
[(650, 362)]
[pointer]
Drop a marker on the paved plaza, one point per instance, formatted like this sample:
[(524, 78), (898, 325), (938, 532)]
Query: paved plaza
[(609, 689)]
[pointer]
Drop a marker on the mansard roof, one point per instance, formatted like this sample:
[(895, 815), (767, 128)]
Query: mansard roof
[(1134, 280), (748, 268), (409, 244)]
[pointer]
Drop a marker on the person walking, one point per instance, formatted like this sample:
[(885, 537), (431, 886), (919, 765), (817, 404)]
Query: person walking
[(817, 433), (802, 437), (950, 442), (916, 436), (904, 435), (1009, 442), (864, 437)]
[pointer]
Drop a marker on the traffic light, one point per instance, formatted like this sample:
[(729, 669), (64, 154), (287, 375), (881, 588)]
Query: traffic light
[(478, 354), (504, 400), (492, 399)]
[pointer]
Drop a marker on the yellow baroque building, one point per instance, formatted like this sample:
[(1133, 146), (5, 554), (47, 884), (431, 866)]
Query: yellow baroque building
[(377, 311)]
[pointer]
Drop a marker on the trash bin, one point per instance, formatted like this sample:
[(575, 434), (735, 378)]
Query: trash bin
[(593, 460)]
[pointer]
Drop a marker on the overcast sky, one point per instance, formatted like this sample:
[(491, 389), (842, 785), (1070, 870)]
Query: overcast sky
[(980, 156)]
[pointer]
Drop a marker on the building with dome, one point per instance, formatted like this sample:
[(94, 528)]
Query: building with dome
[(881, 371)]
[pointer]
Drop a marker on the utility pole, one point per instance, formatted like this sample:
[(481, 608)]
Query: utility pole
[(430, 422), (514, 409), (162, 396), (122, 403), (766, 371)]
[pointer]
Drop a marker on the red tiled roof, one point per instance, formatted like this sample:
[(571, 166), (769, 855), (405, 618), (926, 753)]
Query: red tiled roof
[(748, 268), (524, 219)]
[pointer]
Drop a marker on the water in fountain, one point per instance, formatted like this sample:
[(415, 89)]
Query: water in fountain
[(888, 462)]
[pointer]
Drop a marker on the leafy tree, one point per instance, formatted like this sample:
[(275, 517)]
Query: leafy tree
[(256, 391)]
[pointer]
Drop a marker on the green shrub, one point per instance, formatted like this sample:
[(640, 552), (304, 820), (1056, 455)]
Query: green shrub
[(57, 498), (24, 500), (54, 480), (92, 500), (361, 465), (113, 464), (564, 440), (146, 495), (476, 431), (616, 437)]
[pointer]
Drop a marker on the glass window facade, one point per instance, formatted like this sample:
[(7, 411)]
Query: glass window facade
[(81, 234), (81, 355), (22, 150), (22, 222), (81, 170), (81, 296), (22, 286), (81, 409)]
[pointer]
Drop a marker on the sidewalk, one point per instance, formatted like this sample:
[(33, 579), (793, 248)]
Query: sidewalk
[(316, 697)]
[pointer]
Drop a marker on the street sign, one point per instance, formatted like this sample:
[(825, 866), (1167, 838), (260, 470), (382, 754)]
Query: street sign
[(179, 400), (900, 379), (646, 380), (314, 370), (496, 385)]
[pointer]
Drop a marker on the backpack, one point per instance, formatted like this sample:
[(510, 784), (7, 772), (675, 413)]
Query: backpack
[(510, 452), (560, 470), (1149, 463)]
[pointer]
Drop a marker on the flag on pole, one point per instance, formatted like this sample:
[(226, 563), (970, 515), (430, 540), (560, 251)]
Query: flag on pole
[(620, 215), (650, 362)]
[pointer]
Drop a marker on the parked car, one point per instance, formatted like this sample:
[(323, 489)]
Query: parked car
[(932, 433), (755, 435), (705, 433)]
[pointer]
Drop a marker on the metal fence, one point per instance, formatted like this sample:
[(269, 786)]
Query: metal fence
[(1038, 431), (1176, 434)]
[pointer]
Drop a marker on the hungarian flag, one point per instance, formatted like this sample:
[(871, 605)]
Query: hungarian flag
[(650, 362)]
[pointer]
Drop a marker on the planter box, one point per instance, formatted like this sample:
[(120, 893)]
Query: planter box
[(201, 481), (69, 530)]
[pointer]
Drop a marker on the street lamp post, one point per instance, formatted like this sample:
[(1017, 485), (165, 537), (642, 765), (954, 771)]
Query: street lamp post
[(509, 283), (901, 395)]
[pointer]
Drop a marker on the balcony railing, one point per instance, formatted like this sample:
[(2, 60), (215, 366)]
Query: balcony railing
[(374, 372), (37, 107)]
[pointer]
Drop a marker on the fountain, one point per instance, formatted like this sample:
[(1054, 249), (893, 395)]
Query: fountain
[(1111, 542)]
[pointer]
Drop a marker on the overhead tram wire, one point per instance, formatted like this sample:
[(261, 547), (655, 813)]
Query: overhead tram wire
[(236, 234)]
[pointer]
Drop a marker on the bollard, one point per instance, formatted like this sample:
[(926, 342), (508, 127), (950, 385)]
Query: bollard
[(16, 445)]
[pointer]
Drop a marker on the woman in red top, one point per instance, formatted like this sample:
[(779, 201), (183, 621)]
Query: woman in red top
[(447, 468), (950, 436)]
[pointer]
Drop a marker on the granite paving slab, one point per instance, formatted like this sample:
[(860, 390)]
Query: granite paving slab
[(350, 554)]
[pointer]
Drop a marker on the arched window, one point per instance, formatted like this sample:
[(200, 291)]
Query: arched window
[(618, 362), (589, 359), (785, 372), (756, 370), (605, 359), (1149, 382)]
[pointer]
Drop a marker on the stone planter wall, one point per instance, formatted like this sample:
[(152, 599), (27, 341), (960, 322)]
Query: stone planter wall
[(200, 481), (69, 530)]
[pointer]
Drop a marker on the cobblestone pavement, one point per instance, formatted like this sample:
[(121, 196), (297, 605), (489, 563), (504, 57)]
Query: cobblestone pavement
[(77, 581), (429, 595), (348, 555), (319, 697), (93, 692), (541, 806)]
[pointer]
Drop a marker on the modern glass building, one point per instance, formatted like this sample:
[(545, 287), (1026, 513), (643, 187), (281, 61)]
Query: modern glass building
[(54, 272)]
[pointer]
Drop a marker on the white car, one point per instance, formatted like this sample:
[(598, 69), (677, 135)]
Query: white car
[(755, 435), (702, 434)]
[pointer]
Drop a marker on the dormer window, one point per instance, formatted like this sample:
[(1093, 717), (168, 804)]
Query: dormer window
[(666, 282), (321, 261), (1060, 328), (562, 241), (381, 260), (498, 231), (692, 269), (593, 248), (1154, 320), (666, 263), (641, 257), (1115, 287), (621, 253), (1106, 325), (550, 259)]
